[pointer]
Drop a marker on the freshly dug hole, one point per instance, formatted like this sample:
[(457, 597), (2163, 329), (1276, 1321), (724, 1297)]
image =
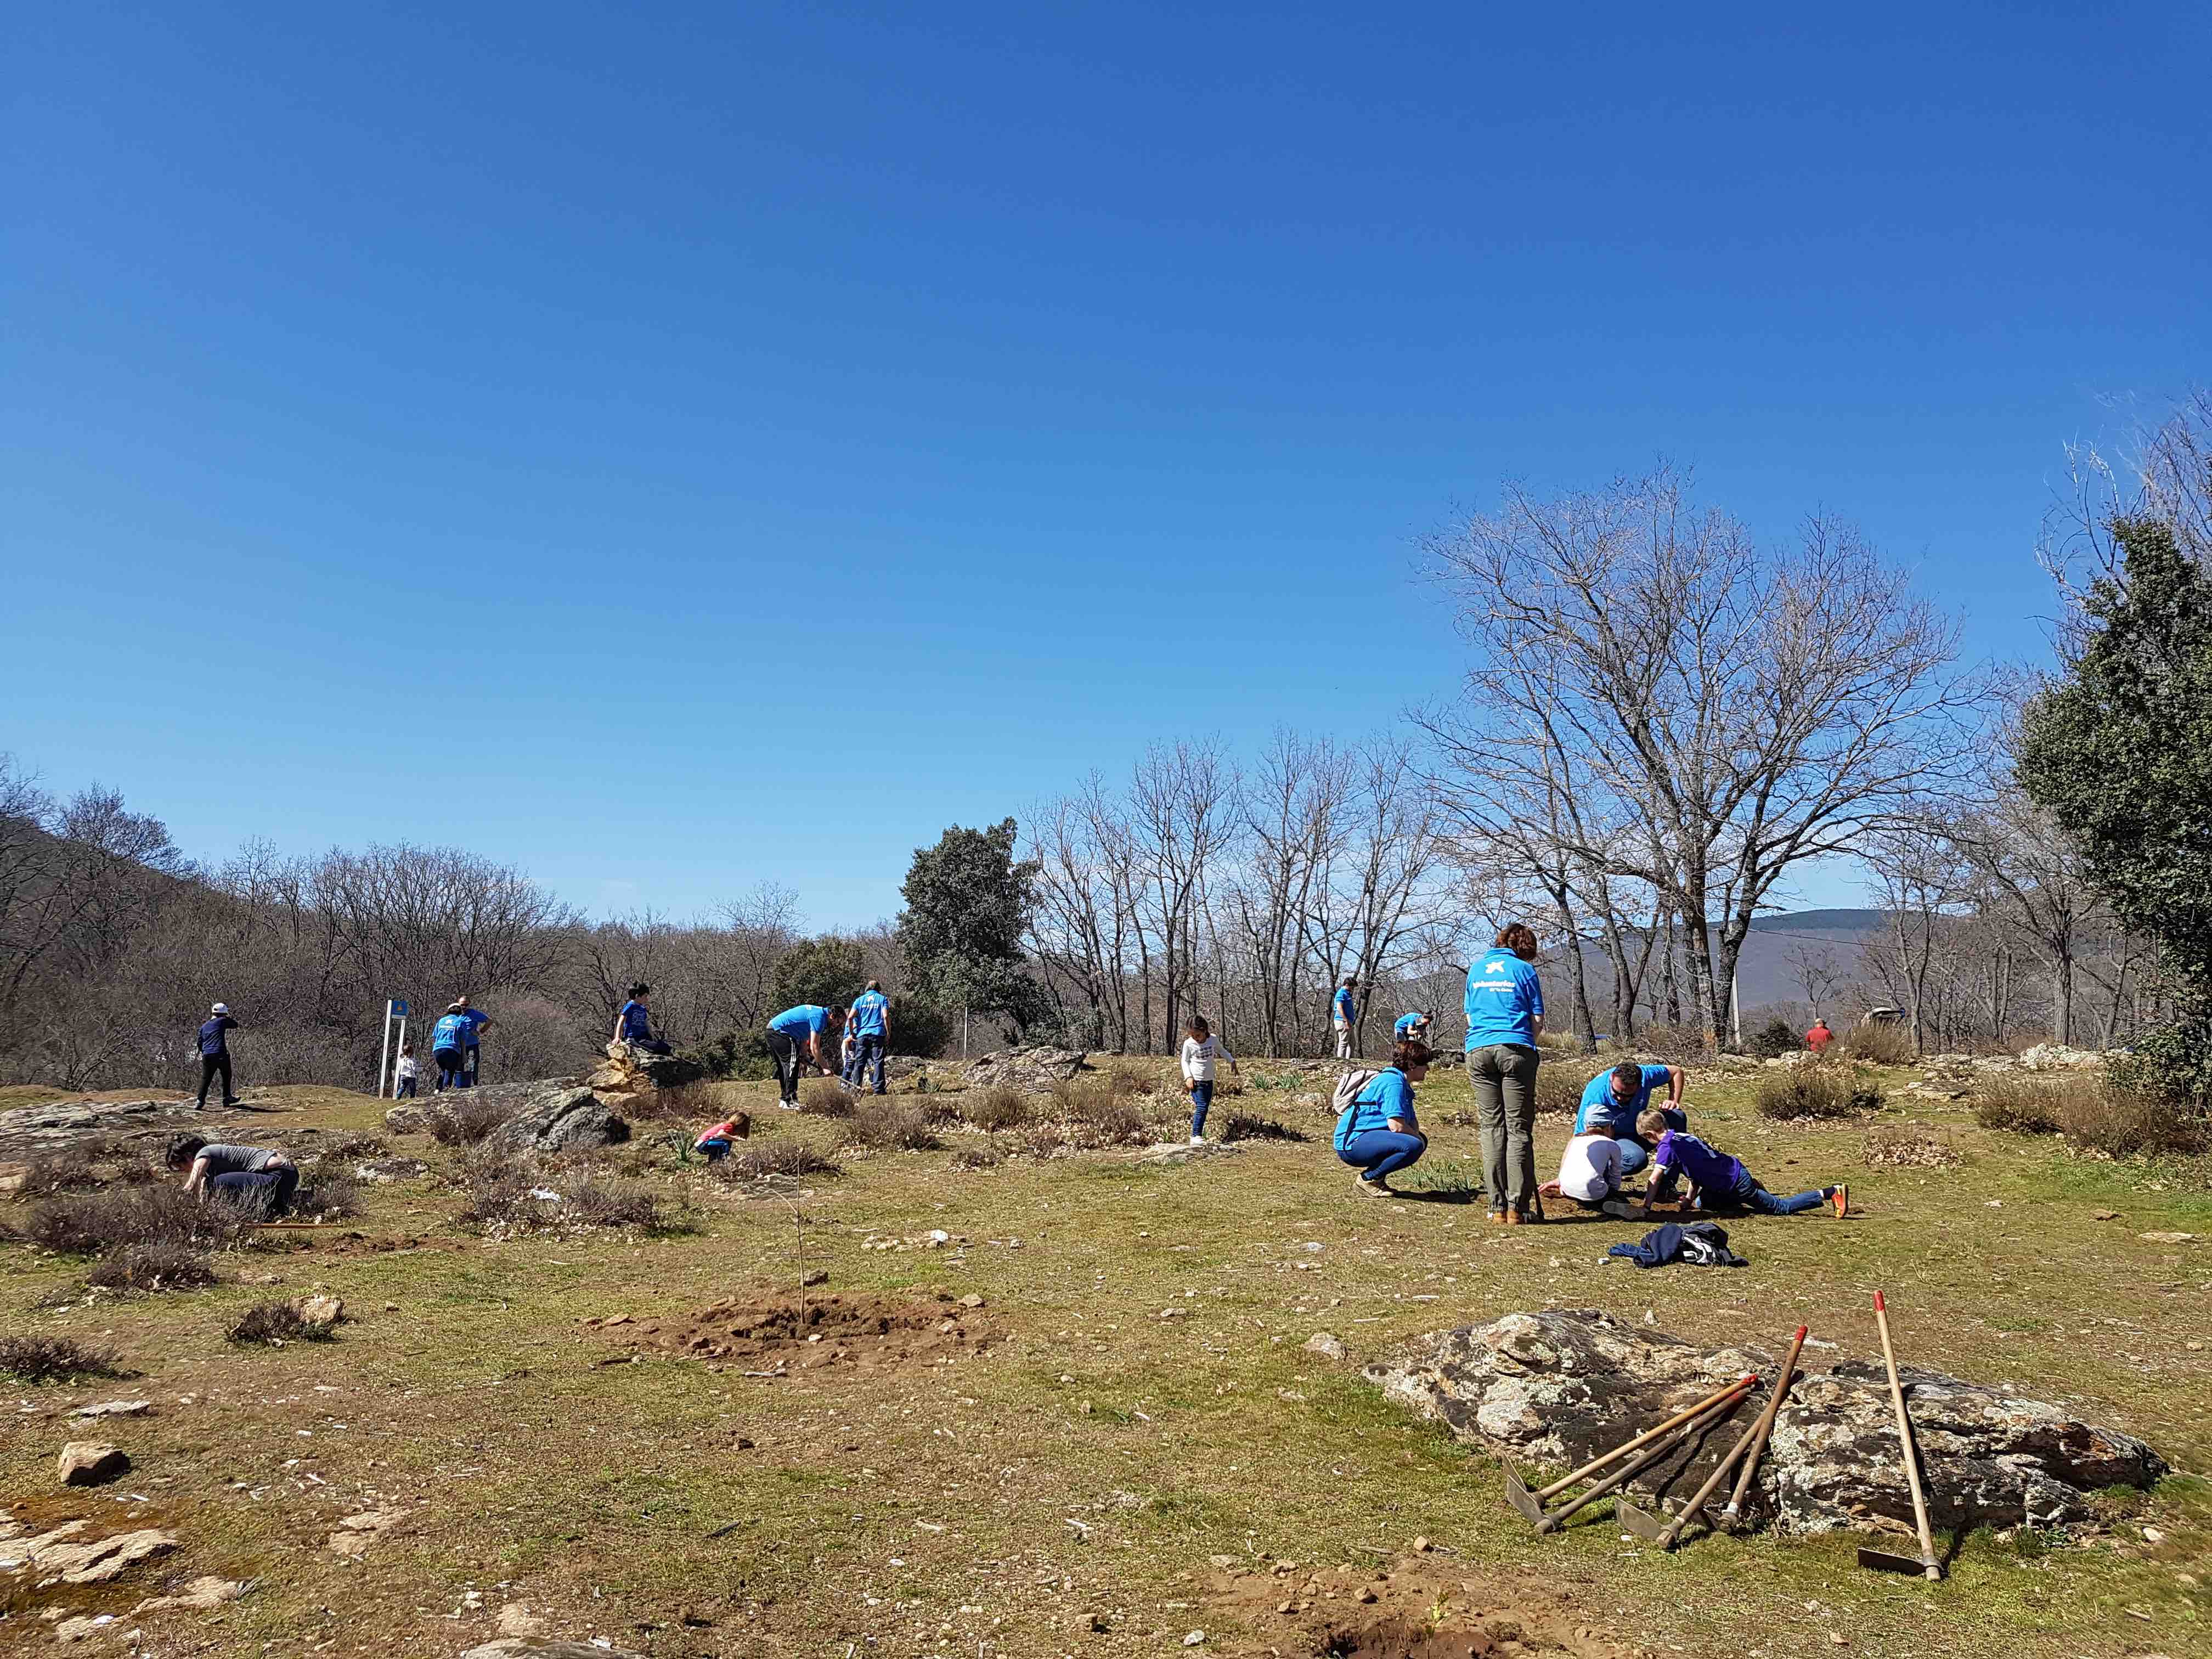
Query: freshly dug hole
[(780, 1333)]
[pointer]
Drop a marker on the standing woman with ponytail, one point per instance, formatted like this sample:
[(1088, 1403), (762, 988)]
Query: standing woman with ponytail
[(1504, 1018)]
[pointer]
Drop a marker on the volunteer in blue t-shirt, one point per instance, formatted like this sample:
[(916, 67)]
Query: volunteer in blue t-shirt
[(1343, 1015), (1616, 1098), (449, 1049), (633, 1023), (1413, 1027), (1377, 1133), (871, 1034), (471, 1056), (794, 1039), (1504, 1018)]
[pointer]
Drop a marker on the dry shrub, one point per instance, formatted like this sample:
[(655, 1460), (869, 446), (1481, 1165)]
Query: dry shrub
[(505, 1191), (1108, 1121), (36, 1359), (162, 1265), (463, 1118), (94, 1223), (788, 1158), (1910, 1147), (1000, 1107), (277, 1323), (1822, 1092), (327, 1194), (499, 1190), (68, 1171), (889, 1124), (977, 1158), (1242, 1125), (825, 1097), (603, 1204), (1559, 1087), (1879, 1043), (351, 1148), (2015, 1100), (1043, 1140), (2121, 1123), (1684, 1042)]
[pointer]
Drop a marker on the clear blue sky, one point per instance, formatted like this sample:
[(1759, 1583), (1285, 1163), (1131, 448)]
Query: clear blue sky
[(673, 447)]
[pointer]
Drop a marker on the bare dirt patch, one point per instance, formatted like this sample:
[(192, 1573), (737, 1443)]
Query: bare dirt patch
[(827, 1333), (1421, 1607), (350, 1242)]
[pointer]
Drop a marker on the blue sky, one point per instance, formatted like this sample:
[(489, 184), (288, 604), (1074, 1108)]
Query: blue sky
[(677, 447)]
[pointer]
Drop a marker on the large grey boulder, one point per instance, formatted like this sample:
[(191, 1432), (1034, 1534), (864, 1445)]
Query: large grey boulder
[(1556, 1389), (1034, 1069), (561, 1120)]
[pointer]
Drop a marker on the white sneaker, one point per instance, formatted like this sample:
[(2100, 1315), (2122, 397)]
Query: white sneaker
[(1198, 1140)]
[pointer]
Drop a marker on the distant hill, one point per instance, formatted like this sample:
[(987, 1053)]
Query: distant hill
[(1762, 976)]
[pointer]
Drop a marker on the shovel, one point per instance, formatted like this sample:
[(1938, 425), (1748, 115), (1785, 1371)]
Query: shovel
[(1545, 1495), (1668, 1534), (1695, 1421), (1880, 1560), (1782, 1381)]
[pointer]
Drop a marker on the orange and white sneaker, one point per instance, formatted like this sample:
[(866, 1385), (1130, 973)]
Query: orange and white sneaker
[(1842, 1198)]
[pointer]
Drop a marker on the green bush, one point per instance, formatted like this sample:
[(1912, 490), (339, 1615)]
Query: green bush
[(1773, 1040), (1824, 1093)]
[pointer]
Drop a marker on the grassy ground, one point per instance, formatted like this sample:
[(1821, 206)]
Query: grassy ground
[(1083, 1484)]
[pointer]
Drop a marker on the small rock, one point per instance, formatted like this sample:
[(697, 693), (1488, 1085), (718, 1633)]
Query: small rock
[(615, 1319), (383, 1170), (2104, 1215), (819, 1276), (407, 1121), (115, 1408), (1422, 1546), (971, 1300), (538, 1647), (1326, 1345), (1291, 1395), (200, 1594), (90, 1463), (391, 1307), (1192, 1638), (2152, 1535), (2168, 1238), (315, 1308)]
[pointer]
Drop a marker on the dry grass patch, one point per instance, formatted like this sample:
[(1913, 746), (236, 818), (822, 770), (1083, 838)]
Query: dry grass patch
[(275, 1323), (887, 1123), (462, 1118), (789, 1158), (1909, 1148), (996, 1108), (1884, 1043), (1823, 1093), (824, 1097)]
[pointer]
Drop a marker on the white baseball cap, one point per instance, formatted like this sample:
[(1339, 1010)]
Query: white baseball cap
[(220, 1008)]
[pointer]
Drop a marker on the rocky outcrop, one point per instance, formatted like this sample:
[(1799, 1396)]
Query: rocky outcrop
[(52, 1125), (1034, 1070), (561, 1120), (629, 1072), (1557, 1387)]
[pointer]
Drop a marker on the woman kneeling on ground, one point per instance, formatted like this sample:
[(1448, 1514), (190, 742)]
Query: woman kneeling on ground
[(1378, 1135), (259, 1179)]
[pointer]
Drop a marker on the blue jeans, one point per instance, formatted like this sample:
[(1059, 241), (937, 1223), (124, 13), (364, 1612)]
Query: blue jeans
[(715, 1150), (405, 1090), (451, 1067), (1634, 1154), (265, 1191), (1201, 1100), (868, 1051), (1751, 1194), (1382, 1152)]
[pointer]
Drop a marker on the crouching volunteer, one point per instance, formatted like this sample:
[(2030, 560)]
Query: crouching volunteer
[(258, 1179), (795, 1042), (1378, 1133), (1614, 1100)]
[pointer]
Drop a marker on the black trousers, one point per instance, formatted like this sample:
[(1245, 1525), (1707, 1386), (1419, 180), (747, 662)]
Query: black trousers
[(210, 1065), (787, 1055)]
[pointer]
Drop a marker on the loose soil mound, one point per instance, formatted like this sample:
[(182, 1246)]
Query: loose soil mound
[(1422, 1607), (827, 1332)]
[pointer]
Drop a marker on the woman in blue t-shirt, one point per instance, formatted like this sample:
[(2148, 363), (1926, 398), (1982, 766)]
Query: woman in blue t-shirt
[(1378, 1135), (1504, 1018)]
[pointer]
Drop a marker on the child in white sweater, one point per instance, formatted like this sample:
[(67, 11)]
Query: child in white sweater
[(1201, 1050)]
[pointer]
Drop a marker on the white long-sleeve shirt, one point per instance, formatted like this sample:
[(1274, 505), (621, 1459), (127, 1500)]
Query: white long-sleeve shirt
[(1198, 1058)]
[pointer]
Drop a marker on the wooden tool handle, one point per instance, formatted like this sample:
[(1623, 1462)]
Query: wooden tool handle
[(1704, 1419), (1781, 1380), (1905, 1440), (1712, 1484), (1749, 1380)]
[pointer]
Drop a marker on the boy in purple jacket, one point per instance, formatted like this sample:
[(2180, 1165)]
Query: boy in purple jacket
[(1716, 1179)]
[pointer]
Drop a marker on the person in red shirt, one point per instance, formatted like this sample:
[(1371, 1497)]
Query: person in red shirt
[(1819, 1036)]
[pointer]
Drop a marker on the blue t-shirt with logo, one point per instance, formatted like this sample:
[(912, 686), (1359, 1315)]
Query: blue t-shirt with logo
[(868, 1013), (1390, 1094), (1598, 1101), (450, 1032), (1343, 1004), (636, 1022), (802, 1022), (1404, 1028), (1504, 997), (477, 1020)]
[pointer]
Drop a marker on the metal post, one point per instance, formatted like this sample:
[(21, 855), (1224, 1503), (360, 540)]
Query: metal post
[(383, 1060), (1735, 1010)]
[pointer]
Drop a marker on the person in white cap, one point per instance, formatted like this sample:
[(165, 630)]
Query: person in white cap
[(214, 1052)]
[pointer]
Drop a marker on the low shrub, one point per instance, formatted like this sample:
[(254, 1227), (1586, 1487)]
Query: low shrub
[(2128, 1123), (70, 1171), (1684, 1042), (1043, 1140), (1823, 1092), (277, 1323), (353, 1147), (889, 1124), (327, 1194), (94, 1223), (160, 1265), (1463, 1181), (825, 1097), (1560, 1086), (1000, 1107), (2016, 1102), (973, 1156), (37, 1359), (463, 1118), (1108, 1121), (784, 1157), (603, 1204), (1879, 1043), (1773, 1040), (1909, 1148), (1242, 1125)]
